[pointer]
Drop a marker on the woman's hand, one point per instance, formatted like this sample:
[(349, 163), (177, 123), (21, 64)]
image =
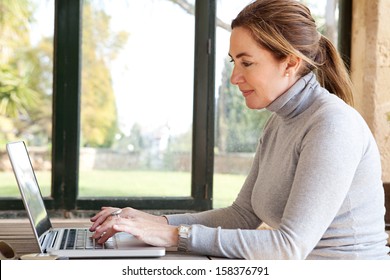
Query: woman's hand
[(127, 212), (151, 229)]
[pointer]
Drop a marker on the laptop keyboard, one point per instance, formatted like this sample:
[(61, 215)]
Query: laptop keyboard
[(81, 239)]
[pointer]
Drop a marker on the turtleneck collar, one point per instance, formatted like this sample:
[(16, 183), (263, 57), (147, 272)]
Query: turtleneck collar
[(295, 100)]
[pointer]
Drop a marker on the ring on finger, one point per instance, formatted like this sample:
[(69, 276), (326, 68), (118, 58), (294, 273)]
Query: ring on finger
[(116, 213)]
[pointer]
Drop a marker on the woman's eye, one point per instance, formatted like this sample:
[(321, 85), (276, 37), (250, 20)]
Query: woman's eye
[(246, 64)]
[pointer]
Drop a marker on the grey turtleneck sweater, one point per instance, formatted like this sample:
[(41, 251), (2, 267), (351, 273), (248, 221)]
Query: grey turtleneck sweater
[(315, 179)]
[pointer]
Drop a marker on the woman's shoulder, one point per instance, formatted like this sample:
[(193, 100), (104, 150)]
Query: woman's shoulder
[(339, 122), (332, 110)]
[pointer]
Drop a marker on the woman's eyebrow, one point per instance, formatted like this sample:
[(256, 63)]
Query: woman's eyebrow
[(240, 55)]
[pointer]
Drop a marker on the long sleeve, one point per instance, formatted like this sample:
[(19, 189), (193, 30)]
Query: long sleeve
[(318, 184), (239, 215)]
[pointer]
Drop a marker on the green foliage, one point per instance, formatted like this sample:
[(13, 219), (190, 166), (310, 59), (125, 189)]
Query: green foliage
[(181, 143), (99, 120), (14, 20), (136, 139), (26, 73), (15, 95), (18, 96)]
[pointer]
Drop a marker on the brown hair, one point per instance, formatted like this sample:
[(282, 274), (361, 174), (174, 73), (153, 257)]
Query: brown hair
[(286, 27)]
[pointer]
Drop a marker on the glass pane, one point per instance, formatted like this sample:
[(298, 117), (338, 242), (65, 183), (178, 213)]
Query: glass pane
[(237, 127), (325, 12), (236, 134), (137, 99), (26, 66)]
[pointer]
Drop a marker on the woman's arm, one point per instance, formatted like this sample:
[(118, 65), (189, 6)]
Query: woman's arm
[(239, 215), (328, 161)]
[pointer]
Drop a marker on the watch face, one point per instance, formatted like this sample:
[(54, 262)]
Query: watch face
[(184, 229)]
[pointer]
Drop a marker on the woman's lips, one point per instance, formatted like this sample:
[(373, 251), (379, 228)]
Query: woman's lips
[(246, 93)]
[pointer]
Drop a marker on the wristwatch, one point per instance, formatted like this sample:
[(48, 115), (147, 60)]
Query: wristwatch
[(184, 232)]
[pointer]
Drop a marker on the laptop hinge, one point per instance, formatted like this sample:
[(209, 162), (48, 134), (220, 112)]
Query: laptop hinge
[(49, 239)]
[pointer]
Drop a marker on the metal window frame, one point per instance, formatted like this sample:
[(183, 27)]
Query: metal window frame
[(66, 103), (345, 31), (66, 113), (66, 120)]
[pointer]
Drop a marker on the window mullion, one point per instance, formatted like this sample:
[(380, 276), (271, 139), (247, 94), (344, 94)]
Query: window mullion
[(203, 122), (66, 102)]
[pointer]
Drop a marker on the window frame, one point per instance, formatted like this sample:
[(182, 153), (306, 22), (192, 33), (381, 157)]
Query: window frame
[(66, 114)]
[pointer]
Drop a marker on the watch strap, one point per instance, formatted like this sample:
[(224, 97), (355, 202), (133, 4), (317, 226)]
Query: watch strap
[(184, 232)]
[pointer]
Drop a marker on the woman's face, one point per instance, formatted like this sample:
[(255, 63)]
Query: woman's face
[(259, 75)]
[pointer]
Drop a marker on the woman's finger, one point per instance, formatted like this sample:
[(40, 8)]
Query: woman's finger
[(101, 217), (97, 215)]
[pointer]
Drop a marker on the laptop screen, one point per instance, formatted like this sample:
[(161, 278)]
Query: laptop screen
[(28, 185)]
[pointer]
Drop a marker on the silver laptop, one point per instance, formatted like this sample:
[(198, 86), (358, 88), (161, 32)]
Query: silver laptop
[(67, 242)]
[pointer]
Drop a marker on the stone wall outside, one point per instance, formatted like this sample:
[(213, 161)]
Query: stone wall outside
[(370, 70)]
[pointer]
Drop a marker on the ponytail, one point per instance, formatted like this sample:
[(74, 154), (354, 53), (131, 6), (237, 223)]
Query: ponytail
[(331, 71)]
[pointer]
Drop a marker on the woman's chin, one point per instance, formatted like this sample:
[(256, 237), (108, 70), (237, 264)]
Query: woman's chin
[(253, 106)]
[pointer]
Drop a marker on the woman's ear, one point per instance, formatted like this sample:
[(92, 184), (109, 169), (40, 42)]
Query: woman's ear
[(293, 64)]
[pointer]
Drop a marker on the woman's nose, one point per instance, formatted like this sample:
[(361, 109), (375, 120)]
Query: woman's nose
[(236, 77)]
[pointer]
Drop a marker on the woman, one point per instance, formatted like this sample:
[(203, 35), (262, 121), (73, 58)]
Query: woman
[(316, 175)]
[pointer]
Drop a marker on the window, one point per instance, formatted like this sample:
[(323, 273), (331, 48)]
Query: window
[(66, 152), (26, 67), (238, 128), (136, 109), (137, 73)]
